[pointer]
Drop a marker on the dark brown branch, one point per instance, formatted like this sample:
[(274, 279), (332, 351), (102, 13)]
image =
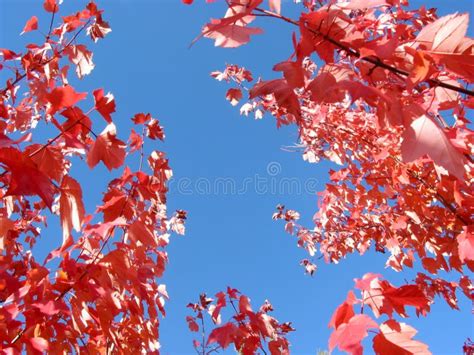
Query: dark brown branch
[(51, 23)]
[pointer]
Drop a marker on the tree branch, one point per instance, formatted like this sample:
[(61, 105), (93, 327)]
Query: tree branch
[(377, 62), (22, 76)]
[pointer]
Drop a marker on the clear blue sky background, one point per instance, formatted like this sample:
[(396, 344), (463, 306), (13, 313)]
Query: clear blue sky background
[(231, 239)]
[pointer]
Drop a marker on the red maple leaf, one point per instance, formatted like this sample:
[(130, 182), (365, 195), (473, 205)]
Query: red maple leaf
[(105, 105), (31, 25), (344, 312), (224, 335), (50, 6), (26, 179), (140, 118), (108, 149), (396, 338), (234, 96), (154, 130), (193, 326), (63, 97)]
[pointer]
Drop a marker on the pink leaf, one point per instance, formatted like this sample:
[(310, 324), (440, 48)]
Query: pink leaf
[(229, 36), (348, 336), (424, 137), (39, 344), (466, 244), (275, 5), (82, 58), (444, 34)]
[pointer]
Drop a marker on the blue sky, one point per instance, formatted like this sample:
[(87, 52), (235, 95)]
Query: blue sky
[(231, 239)]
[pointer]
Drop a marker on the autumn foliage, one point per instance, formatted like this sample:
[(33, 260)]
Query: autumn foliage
[(99, 292), (249, 331), (380, 90), (375, 87)]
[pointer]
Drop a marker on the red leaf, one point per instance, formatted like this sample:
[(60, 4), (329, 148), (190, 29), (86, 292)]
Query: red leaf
[(49, 160), (264, 324), (102, 230), (224, 335), (140, 118), (26, 178), (138, 231), (383, 297), (406, 295), (104, 104), (99, 29), (420, 70), (284, 94), (461, 64), (82, 58), (348, 336), (233, 293), (31, 25), (50, 6), (108, 149), (50, 308), (344, 312), (8, 54), (293, 73), (234, 96), (63, 97), (214, 310), (244, 305), (396, 338), (193, 326), (154, 130), (135, 140)]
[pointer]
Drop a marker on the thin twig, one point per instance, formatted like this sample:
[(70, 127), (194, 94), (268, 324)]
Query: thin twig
[(142, 155), (51, 23), (203, 344)]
